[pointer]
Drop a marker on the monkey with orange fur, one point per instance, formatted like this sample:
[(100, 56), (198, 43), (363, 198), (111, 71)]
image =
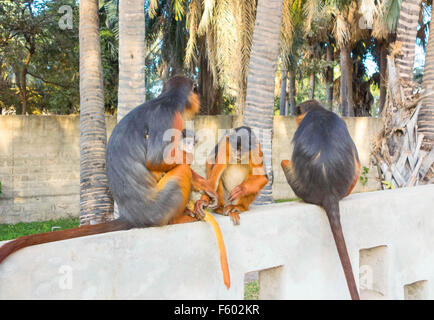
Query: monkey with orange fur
[(235, 170), (148, 189)]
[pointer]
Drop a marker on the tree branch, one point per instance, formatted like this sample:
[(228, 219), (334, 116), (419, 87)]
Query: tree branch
[(46, 81)]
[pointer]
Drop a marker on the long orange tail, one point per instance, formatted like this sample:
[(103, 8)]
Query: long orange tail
[(221, 245), (34, 239)]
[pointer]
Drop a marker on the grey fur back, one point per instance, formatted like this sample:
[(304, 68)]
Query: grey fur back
[(133, 187)]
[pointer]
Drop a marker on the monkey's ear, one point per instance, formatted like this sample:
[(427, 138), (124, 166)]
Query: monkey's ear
[(300, 118)]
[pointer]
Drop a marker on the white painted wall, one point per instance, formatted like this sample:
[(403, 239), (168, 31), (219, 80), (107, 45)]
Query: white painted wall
[(182, 262)]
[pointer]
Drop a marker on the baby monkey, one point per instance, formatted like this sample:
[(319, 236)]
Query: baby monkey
[(197, 210)]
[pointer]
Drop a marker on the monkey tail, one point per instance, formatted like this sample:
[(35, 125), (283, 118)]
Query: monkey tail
[(331, 206), (221, 245), (34, 239)]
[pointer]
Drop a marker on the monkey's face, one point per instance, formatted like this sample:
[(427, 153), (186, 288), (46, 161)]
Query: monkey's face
[(193, 105)]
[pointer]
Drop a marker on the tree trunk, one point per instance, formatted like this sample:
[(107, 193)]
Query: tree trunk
[(22, 80), (282, 105), (210, 93), (23, 90), (259, 109), (406, 34), (312, 86), (426, 115), (292, 93), (383, 75), (329, 77), (96, 204), (347, 105), (132, 90)]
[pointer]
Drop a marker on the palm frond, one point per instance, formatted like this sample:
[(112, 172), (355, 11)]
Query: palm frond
[(178, 9), (153, 6), (192, 21), (208, 8)]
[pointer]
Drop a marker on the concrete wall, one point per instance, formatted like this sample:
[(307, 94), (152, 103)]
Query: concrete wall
[(40, 167), (40, 161), (389, 236)]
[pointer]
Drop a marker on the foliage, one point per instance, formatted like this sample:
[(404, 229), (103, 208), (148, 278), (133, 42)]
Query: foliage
[(387, 185), (364, 176), (209, 38), (251, 290), (39, 60), (12, 231)]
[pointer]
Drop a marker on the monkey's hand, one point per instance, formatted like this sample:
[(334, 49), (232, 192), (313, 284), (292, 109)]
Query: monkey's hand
[(210, 199), (209, 196), (214, 199), (199, 209), (237, 192)]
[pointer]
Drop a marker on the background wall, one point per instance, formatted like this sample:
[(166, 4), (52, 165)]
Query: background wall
[(40, 161)]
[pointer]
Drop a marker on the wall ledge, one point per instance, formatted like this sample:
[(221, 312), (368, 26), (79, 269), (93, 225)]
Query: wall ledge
[(291, 243)]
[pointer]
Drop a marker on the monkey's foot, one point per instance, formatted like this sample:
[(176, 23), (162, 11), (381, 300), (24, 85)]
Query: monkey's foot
[(234, 213)]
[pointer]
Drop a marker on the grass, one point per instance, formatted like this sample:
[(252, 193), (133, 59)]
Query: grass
[(286, 200), (12, 231), (251, 290)]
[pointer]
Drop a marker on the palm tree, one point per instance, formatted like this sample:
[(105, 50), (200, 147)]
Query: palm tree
[(292, 38), (96, 204), (259, 109), (383, 16), (132, 90), (398, 154), (426, 115), (291, 94), (406, 35), (282, 103), (347, 33), (223, 28)]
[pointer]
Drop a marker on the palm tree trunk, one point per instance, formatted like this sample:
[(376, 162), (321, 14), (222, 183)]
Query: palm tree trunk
[(406, 34), (329, 77), (211, 94), (96, 204), (282, 106), (292, 93), (383, 75), (347, 105), (259, 110), (312, 86), (426, 114), (132, 90)]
